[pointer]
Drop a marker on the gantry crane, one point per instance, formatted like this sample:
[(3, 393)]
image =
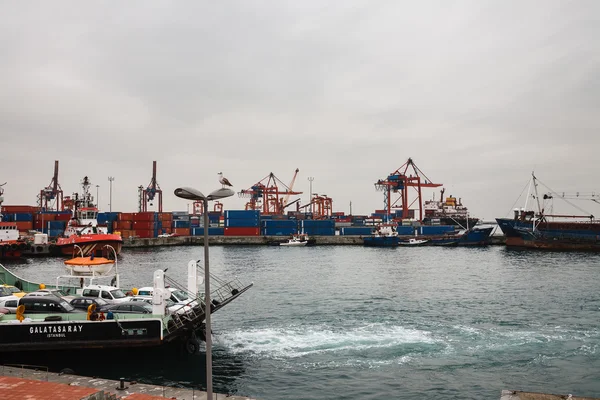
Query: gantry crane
[(198, 207), (321, 206), (270, 195), (51, 197), (400, 181), (148, 194)]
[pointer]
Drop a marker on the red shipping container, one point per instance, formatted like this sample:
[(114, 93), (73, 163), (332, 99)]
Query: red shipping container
[(145, 233), (19, 209), (165, 217), (63, 217), (167, 230), (181, 231), (127, 233), (24, 226), (144, 216), (120, 225), (238, 231), (126, 216), (45, 217), (143, 225)]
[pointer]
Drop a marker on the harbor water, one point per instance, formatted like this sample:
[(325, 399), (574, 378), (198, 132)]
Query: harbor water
[(371, 323)]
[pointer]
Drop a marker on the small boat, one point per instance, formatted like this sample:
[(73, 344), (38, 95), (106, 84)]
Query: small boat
[(89, 266), (413, 242), (301, 239), (385, 236)]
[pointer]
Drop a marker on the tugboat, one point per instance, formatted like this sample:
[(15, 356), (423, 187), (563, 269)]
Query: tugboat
[(300, 239), (83, 229), (385, 236)]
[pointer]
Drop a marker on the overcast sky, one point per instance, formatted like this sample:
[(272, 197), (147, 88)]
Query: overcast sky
[(478, 93)]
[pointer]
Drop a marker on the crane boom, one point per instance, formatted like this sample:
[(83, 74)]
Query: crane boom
[(291, 188)]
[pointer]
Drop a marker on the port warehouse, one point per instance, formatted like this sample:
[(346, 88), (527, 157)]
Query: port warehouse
[(228, 223)]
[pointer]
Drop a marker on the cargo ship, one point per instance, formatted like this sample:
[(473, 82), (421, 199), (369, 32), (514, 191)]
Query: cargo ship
[(83, 235), (448, 212), (541, 230), (11, 243)]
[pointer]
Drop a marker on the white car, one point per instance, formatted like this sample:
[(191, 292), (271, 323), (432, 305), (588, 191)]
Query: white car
[(111, 294), (10, 303), (178, 296), (171, 306), (46, 292)]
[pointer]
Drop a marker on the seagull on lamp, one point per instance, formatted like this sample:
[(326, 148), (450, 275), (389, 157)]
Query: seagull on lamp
[(224, 181)]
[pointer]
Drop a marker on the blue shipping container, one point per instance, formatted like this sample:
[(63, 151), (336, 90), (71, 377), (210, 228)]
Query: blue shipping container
[(279, 231), (211, 231), (405, 230), (436, 230), (356, 230), (56, 225), (23, 217), (181, 224), (242, 223), (242, 214), (280, 223)]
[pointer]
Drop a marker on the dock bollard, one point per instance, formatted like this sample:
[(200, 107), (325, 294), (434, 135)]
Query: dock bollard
[(121, 384)]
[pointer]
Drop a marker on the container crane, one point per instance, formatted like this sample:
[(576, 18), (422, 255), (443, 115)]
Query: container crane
[(51, 197), (400, 181), (148, 194), (322, 206), (268, 195), (198, 207)]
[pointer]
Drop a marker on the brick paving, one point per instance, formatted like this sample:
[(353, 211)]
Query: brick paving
[(13, 388)]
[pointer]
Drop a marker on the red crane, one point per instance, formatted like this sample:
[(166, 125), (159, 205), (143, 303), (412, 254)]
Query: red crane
[(400, 181), (269, 195), (52, 193), (147, 195)]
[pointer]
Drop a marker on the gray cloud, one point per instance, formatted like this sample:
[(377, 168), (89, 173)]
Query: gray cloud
[(478, 93)]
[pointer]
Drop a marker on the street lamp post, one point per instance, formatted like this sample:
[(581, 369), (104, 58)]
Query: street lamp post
[(311, 179), (110, 179), (193, 194)]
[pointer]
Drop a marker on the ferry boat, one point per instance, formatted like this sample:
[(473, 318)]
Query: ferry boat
[(34, 330), (83, 229)]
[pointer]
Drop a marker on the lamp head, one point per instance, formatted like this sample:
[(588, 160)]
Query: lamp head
[(189, 193)]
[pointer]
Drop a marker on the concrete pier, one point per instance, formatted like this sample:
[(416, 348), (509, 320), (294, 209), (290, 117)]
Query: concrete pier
[(518, 395), (20, 382), (252, 240)]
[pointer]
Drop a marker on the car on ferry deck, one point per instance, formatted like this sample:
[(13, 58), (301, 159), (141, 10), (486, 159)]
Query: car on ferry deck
[(11, 290), (49, 304), (130, 307), (82, 303), (10, 303), (111, 294)]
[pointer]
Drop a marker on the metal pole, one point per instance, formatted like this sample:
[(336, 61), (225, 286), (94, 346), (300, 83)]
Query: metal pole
[(311, 179), (97, 196), (207, 304), (110, 179)]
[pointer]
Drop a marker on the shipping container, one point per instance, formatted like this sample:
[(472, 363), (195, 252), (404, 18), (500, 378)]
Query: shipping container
[(24, 226), (19, 209), (318, 231), (405, 230), (144, 233), (279, 231), (46, 217), (242, 214), (241, 231), (356, 230), (180, 224), (280, 223), (139, 225), (436, 230), (181, 231), (211, 231), (127, 233), (63, 216), (126, 216), (56, 225), (122, 225), (145, 216), (241, 223)]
